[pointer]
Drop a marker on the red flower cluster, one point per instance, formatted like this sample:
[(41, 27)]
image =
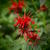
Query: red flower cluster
[(23, 24), (17, 7), (32, 35), (43, 8)]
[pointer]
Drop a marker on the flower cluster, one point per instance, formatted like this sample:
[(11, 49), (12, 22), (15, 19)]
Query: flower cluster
[(43, 8), (25, 23), (16, 7)]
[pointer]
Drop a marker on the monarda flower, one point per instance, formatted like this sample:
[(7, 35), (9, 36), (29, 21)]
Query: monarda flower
[(17, 7), (23, 23), (25, 27), (43, 8), (32, 35)]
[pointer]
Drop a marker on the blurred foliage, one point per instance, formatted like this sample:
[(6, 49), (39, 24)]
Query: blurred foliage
[(9, 37)]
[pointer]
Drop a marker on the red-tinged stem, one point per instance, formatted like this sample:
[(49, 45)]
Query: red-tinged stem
[(12, 1), (25, 37)]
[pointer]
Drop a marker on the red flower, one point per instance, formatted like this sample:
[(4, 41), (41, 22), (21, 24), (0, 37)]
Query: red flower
[(16, 7), (33, 22), (23, 23), (38, 30), (13, 7), (43, 8), (20, 6), (32, 35)]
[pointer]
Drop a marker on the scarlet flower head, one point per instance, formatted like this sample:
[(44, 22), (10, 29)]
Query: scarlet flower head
[(32, 35), (43, 8), (23, 22), (16, 7)]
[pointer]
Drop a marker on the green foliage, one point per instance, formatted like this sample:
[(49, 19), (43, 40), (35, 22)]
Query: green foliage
[(9, 39)]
